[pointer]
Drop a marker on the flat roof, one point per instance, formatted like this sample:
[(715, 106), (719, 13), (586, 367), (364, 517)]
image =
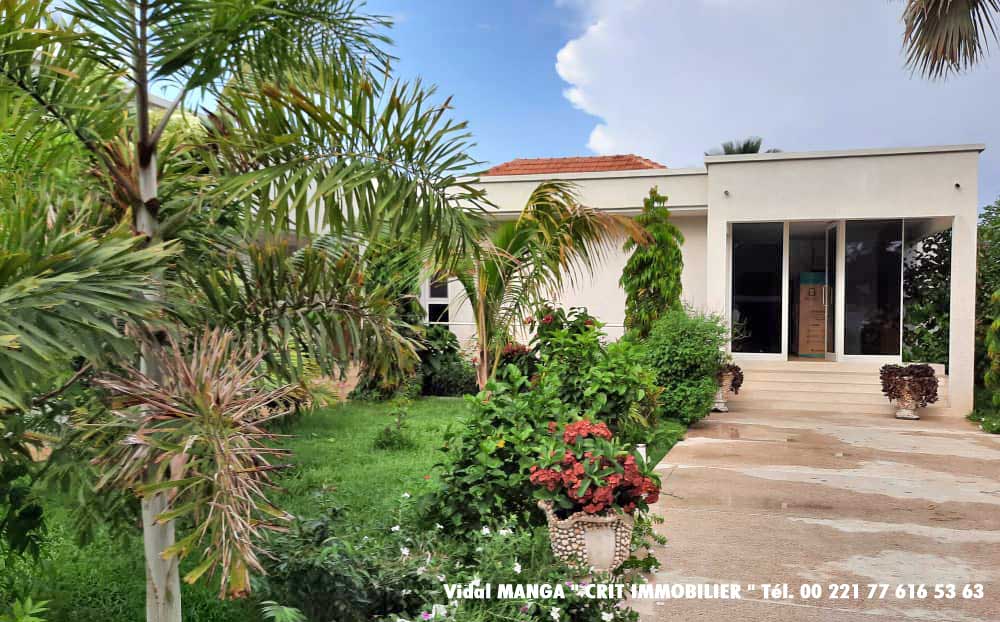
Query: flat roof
[(840, 153)]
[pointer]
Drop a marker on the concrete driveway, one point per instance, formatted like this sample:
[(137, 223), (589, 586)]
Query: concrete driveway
[(827, 498)]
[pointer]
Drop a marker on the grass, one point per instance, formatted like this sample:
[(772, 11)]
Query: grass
[(104, 581), (334, 462)]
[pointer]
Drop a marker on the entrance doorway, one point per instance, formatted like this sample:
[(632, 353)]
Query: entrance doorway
[(812, 258)]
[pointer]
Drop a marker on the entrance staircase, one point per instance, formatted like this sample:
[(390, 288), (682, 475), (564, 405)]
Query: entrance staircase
[(820, 386)]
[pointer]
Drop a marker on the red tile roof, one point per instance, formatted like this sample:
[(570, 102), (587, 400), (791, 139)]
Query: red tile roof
[(586, 164)]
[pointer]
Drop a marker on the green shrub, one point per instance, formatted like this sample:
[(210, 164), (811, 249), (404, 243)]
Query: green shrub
[(652, 275), (686, 350), (608, 383), (520, 356), (329, 577), (445, 372), (485, 470)]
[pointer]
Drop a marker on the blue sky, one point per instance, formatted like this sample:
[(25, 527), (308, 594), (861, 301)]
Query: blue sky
[(669, 79), (498, 61)]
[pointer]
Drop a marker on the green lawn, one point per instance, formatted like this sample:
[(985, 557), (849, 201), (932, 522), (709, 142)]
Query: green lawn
[(334, 463)]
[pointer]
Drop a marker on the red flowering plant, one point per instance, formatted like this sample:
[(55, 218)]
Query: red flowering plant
[(586, 470)]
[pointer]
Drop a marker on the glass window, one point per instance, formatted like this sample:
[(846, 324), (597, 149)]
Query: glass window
[(437, 312), (873, 271), (439, 287), (757, 263)]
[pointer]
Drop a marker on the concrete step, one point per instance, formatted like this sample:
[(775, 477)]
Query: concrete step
[(832, 397), (757, 385), (820, 366), (820, 406)]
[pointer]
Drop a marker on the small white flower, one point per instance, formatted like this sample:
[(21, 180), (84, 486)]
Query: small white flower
[(607, 617), (475, 580), (394, 528), (554, 614), (486, 531), (364, 539), (406, 495), (441, 578), (421, 569), (438, 526), (404, 551), (479, 549), (505, 531), (439, 610), (517, 567)]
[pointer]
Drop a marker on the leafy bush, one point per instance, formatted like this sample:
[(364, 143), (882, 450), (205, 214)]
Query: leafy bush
[(328, 577), (550, 320), (520, 356), (606, 383), (917, 380), (486, 468), (445, 372), (685, 348), (652, 274)]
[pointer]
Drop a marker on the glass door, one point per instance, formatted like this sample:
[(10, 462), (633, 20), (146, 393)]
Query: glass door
[(758, 253), (873, 270), (830, 293)]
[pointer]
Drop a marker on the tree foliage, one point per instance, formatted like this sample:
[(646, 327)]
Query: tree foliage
[(652, 275), (553, 243)]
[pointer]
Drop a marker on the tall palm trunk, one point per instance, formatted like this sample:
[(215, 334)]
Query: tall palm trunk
[(163, 586)]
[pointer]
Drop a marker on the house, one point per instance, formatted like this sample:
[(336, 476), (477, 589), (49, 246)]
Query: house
[(802, 252)]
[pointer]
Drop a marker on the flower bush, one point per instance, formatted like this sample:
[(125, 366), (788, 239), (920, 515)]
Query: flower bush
[(586, 471)]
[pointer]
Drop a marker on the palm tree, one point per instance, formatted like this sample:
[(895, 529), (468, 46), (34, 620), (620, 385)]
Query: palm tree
[(751, 144), (308, 134), (553, 242), (944, 36)]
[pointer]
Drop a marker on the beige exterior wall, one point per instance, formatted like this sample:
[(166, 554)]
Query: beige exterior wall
[(938, 184)]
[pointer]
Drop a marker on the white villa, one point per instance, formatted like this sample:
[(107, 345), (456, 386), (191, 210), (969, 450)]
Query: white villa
[(804, 250)]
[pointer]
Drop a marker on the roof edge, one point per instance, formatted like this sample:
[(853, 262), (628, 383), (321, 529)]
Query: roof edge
[(841, 153), (648, 172)]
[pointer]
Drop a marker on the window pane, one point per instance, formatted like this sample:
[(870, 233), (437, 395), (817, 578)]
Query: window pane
[(439, 287), (873, 271), (437, 312), (757, 260)]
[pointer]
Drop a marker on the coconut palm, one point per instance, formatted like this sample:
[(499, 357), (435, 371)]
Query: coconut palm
[(554, 241), (307, 134), (751, 144), (944, 36)]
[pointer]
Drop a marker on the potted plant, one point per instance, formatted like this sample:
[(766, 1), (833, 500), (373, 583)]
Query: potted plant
[(589, 487), (910, 387), (730, 379)]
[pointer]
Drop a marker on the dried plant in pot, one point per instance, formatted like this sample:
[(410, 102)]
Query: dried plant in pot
[(589, 487), (909, 387), (730, 379)]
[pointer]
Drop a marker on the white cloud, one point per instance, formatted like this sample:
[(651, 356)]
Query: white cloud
[(670, 80)]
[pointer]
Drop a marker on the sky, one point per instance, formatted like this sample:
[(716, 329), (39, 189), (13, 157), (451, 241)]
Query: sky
[(671, 79)]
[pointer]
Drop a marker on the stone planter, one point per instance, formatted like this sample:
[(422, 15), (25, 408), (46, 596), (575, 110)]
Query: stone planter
[(595, 543), (906, 405), (722, 395)]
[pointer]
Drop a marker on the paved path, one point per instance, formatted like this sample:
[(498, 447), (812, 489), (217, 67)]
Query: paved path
[(794, 497)]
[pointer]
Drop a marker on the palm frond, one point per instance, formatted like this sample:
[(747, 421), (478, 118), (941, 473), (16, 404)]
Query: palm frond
[(200, 434), (64, 292), (945, 36)]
